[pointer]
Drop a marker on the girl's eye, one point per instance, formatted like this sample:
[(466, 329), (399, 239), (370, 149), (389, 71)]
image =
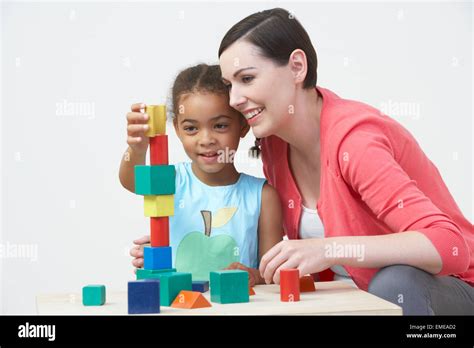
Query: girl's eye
[(189, 129), (247, 79), (221, 126)]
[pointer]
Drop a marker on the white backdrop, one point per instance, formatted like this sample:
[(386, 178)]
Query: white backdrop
[(71, 70)]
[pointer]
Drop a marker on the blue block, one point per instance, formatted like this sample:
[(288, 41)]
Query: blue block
[(201, 285), (157, 258), (144, 296)]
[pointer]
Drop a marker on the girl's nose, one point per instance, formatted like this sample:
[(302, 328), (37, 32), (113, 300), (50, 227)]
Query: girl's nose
[(206, 138)]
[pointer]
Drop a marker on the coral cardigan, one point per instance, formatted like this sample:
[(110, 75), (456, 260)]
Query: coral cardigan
[(375, 180)]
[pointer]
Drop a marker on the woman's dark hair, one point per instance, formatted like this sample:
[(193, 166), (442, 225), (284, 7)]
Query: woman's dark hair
[(277, 33), (198, 78)]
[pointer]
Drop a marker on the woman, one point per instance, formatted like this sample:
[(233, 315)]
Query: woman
[(359, 196)]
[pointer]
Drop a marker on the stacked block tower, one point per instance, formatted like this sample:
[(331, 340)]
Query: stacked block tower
[(157, 283)]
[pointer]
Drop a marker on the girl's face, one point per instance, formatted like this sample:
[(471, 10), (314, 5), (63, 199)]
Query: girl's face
[(209, 129), (258, 88)]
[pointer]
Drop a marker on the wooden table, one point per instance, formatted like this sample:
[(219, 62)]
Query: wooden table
[(330, 298)]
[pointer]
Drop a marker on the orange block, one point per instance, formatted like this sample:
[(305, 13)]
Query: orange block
[(190, 300), (251, 291), (307, 284)]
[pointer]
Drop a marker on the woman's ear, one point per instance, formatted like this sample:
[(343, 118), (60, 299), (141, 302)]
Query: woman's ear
[(298, 65)]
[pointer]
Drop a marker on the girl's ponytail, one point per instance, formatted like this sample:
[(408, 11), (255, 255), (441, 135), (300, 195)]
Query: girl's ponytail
[(255, 150)]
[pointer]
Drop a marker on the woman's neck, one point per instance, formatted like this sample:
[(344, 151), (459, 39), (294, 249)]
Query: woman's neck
[(227, 176), (303, 130)]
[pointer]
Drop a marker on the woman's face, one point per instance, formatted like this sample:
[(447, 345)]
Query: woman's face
[(258, 88)]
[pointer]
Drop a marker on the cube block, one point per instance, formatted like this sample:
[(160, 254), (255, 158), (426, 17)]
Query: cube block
[(159, 231), (162, 205), (307, 284), (155, 180), (144, 296), (171, 284), (159, 150), (156, 120), (152, 273), (190, 300), (157, 258), (229, 286), (201, 285), (289, 285), (93, 295)]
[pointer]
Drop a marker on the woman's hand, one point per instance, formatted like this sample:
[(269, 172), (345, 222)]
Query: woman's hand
[(254, 274), (136, 128), (137, 251), (307, 255)]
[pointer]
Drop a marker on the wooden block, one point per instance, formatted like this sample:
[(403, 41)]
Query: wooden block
[(157, 258), (201, 285), (289, 285), (152, 273), (161, 205), (190, 300), (159, 231), (307, 284), (171, 284), (93, 295), (159, 150), (144, 296), (156, 120), (251, 291), (229, 286), (155, 180)]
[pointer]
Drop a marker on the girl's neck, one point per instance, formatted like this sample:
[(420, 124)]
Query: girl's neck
[(227, 176), (302, 131)]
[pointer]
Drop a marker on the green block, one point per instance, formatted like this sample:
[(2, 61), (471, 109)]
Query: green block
[(155, 180), (230, 286), (93, 295), (152, 273), (171, 284)]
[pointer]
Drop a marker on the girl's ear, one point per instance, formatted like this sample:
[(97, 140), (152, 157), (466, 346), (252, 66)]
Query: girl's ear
[(298, 65), (245, 128)]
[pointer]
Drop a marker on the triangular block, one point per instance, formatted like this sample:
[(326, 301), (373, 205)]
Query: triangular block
[(307, 284), (251, 291), (190, 300)]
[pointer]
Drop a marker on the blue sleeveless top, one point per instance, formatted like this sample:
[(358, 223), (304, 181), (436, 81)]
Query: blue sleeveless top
[(214, 226)]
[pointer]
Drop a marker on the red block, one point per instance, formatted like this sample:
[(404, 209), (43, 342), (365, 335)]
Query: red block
[(159, 231), (159, 150), (289, 285)]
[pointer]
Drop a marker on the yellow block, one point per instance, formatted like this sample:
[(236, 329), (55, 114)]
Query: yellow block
[(159, 205), (156, 120)]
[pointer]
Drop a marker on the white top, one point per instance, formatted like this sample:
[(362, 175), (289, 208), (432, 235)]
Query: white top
[(311, 226)]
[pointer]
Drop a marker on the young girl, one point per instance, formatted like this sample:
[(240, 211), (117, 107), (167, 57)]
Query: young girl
[(222, 218)]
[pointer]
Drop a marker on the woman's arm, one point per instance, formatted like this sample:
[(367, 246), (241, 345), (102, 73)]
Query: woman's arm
[(315, 255)]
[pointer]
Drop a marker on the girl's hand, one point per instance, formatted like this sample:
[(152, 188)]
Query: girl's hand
[(137, 251), (254, 274), (306, 255), (136, 128)]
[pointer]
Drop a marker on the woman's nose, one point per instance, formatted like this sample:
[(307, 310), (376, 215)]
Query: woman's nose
[(236, 99)]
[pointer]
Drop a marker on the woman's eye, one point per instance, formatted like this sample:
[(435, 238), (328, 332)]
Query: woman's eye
[(247, 79)]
